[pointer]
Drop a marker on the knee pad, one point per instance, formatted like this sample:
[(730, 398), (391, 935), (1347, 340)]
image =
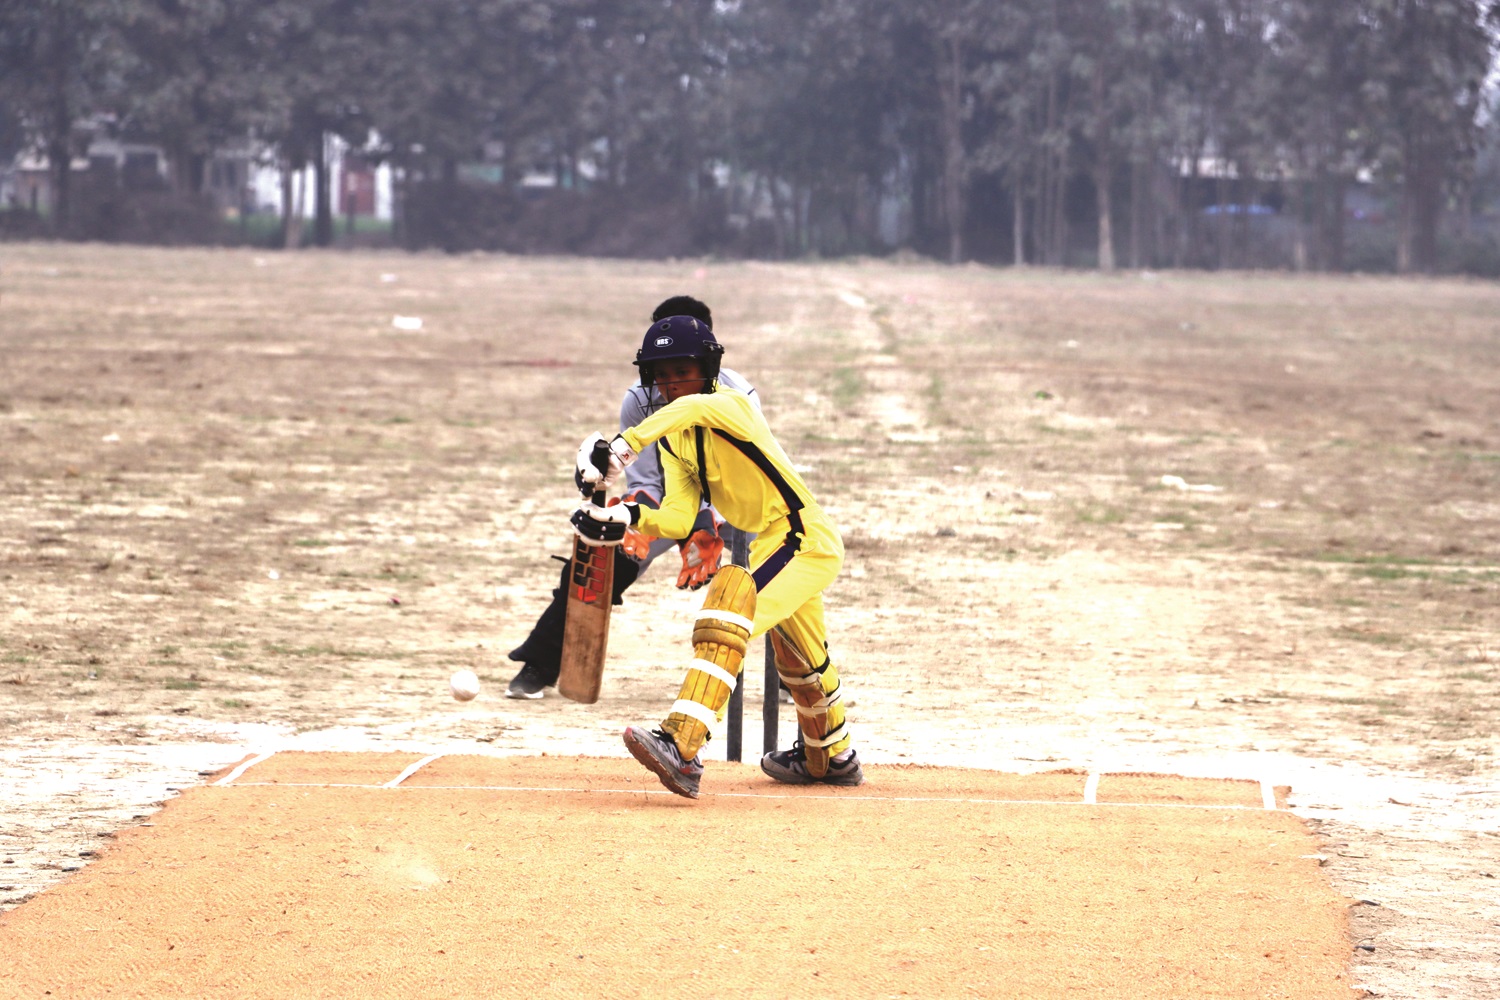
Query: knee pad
[(819, 699), (721, 636)]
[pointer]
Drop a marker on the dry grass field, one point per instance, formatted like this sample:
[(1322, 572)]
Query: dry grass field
[(1235, 525)]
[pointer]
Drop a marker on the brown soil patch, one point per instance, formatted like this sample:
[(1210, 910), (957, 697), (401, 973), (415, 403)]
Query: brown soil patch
[(596, 882)]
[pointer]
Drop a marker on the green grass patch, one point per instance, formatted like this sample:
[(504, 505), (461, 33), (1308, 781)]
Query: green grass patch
[(849, 387), (181, 684), (333, 652), (1394, 567), (311, 543), (1099, 515), (1391, 573), (233, 703), (1368, 560), (1385, 706), (1070, 433), (1371, 636)]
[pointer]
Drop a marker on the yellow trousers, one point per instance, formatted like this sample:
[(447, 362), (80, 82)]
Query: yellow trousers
[(792, 568)]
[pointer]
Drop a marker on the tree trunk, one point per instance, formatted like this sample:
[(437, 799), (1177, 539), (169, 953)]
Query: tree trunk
[(1104, 203), (778, 217), (950, 93), (1046, 203), (1018, 221), (60, 165), (1190, 235), (1060, 212), (1221, 231), (323, 221), (1041, 223), (1421, 198), (291, 207), (1333, 206), (1300, 256), (1103, 168), (1138, 195)]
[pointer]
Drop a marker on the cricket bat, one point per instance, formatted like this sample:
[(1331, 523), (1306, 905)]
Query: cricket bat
[(591, 591)]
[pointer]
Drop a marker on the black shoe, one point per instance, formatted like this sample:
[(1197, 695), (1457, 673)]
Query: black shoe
[(790, 766), (659, 752), (528, 683)]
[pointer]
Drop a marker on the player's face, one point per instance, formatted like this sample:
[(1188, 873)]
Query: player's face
[(678, 377)]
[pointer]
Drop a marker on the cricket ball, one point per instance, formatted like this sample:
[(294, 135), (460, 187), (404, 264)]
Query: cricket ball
[(464, 685)]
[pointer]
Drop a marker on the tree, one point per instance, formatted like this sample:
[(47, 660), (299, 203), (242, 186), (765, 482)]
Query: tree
[(818, 115), (1426, 86), (194, 77), (316, 55), (56, 57)]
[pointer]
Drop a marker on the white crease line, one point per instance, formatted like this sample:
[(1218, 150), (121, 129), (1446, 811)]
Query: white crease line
[(247, 765), (1091, 789), (412, 769), (1267, 795), (841, 796)]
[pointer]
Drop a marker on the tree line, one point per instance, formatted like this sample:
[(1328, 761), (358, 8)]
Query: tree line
[(1101, 133)]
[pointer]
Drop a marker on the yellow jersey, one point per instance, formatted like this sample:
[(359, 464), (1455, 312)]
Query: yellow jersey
[(717, 447)]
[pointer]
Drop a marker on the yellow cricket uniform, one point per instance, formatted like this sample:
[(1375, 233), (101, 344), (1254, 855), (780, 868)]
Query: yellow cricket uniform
[(717, 447)]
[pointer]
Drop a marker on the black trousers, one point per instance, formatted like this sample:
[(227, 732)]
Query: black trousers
[(543, 647)]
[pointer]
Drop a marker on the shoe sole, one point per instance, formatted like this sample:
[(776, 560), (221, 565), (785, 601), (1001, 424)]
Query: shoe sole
[(527, 695), (641, 751), (793, 778)]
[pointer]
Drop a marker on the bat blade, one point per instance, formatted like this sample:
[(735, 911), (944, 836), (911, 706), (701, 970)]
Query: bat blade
[(591, 579)]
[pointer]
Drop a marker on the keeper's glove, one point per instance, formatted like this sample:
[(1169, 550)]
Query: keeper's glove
[(701, 552), (603, 525), (587, 476)]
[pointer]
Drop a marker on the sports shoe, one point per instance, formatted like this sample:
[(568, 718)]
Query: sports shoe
[(790, 766), (658, 751), (527, 683)]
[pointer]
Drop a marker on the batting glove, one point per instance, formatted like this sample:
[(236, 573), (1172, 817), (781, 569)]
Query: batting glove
[(637, 544), (701, 552), (603, 525), (587, 476)]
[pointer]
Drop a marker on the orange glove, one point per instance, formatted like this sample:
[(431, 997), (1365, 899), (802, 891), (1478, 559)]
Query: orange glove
[(637, 545), (701, 552)]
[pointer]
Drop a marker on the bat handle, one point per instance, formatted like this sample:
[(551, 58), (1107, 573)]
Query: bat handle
[(600, 458)]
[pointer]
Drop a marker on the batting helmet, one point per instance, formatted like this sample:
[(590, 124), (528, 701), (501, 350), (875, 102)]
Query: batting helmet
[(679, 337)]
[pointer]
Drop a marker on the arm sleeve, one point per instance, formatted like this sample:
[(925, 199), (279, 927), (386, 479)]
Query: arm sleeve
[(722, 410), (680, 504)]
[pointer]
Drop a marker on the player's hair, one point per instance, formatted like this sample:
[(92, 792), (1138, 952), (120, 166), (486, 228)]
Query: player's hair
[(683, 305)]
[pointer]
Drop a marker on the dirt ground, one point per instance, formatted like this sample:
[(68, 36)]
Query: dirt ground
[(1225, 525)]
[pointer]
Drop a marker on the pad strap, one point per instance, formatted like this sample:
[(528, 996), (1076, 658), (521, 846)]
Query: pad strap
[(713, 670), (693, 710), (826, 741), (823, 704), (726, 616)]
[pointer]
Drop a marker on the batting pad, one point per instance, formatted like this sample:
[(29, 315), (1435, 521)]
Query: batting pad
[(721, 633), (359, 875)]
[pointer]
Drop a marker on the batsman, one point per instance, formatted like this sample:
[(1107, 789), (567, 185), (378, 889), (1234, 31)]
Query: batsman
[(716, 448)]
